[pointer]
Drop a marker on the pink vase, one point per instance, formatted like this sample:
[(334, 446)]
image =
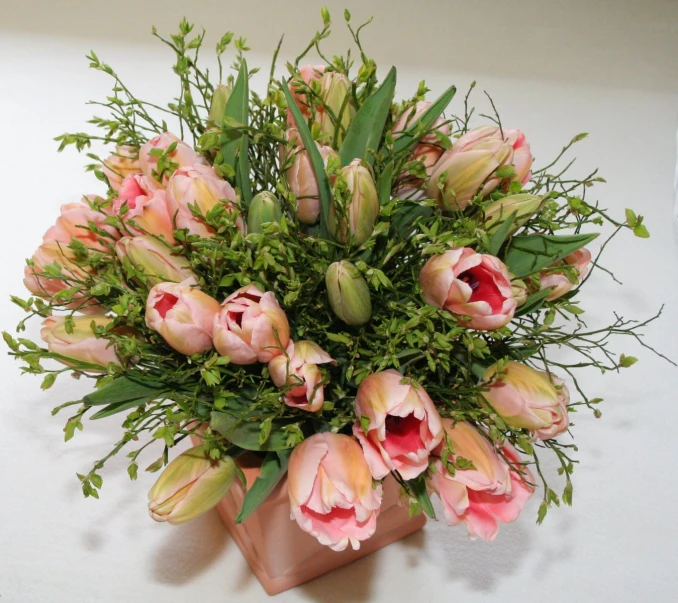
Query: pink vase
[(283, 556)]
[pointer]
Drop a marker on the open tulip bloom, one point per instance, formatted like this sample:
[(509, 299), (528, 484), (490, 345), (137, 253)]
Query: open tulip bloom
[(369, 288)]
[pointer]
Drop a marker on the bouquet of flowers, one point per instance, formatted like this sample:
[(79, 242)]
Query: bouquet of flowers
[(346, 286)]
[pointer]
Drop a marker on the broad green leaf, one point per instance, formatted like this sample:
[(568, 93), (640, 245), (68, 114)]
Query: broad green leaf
[(501, 234), (324, 191), (385, 181), (367, 127), (404, 219), (418, 488), (410, 137), (533, 302), (242, 174), (245, 433), (123, 389), (237, 109), (529, 254), (113, 409), (273, 470)]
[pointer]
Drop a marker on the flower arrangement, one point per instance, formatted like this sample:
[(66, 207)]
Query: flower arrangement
[(346, 286)]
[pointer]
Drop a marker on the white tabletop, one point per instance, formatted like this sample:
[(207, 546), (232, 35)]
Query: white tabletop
[(554, 69)]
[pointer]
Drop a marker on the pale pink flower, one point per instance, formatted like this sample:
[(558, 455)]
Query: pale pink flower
[(331, 492), (73, 224), (561, 283), (81, 344), (182, 156), (119, 165)]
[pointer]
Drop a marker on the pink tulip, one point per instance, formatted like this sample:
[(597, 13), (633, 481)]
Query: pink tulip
[(307, 73), (528, 399), (183, 315), (200, 186), (119, 165), (81, 344), (49, 253), (298, 370), (489, 493), (302, 181), (469, 284), (332, 495), (251, 326), (563, 283), (73, 224), (182, 156), (427, 150), (403, 425), (147, 206)]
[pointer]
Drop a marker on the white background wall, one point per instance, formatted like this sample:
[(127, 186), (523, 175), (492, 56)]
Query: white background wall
[(554, 68)]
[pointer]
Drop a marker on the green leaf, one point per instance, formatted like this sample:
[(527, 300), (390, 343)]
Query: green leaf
[(114, 409), (237, 108), (48, 381), (242, 175), (530, 253), (123, 389), (246, 433), (385, 181), (627, 361), (534, 302), (367, 126), (641, 231), (631, 218), (324, 191), (501, 234), (273, 470), (418, 488), (411, 136)]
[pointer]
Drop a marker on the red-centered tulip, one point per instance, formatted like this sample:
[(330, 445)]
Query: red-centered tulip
[(298, 370), (402, 425), (251, 326), (331, 491), (469, 284), (183, 315)]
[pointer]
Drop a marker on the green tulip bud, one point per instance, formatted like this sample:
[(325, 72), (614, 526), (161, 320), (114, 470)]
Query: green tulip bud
[(265, 207), (521, 206), (348, 293), (520, 291), (218, 106), (189, 486), (362, 208), (335, 91)]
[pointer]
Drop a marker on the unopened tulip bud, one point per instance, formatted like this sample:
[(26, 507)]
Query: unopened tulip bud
[(348, 293), (521, 207), (154, 259), (264, 208), (362, 208), (218, 106), (335, 91), (189, 486), (78, 343), (520, 291)]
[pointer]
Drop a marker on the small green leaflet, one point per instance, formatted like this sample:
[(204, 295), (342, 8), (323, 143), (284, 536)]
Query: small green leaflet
[(364, 133), (324, 190), (273, 470), (529, 254)]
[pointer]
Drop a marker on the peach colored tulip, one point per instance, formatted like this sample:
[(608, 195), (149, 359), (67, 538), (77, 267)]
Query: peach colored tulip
[(307, 73), (335, 91), (332, 495), (528, 399), (200, 186), (427, 150), (183, 315), (251, 326), (469, 284), (147, 206), (298, 370), (182, 156), (492, 492), (81, 344), (190, 485), (302, 181), (49, 253), (155, 260), (119, 165), (563, 283), (73, 224), (403, 425)]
